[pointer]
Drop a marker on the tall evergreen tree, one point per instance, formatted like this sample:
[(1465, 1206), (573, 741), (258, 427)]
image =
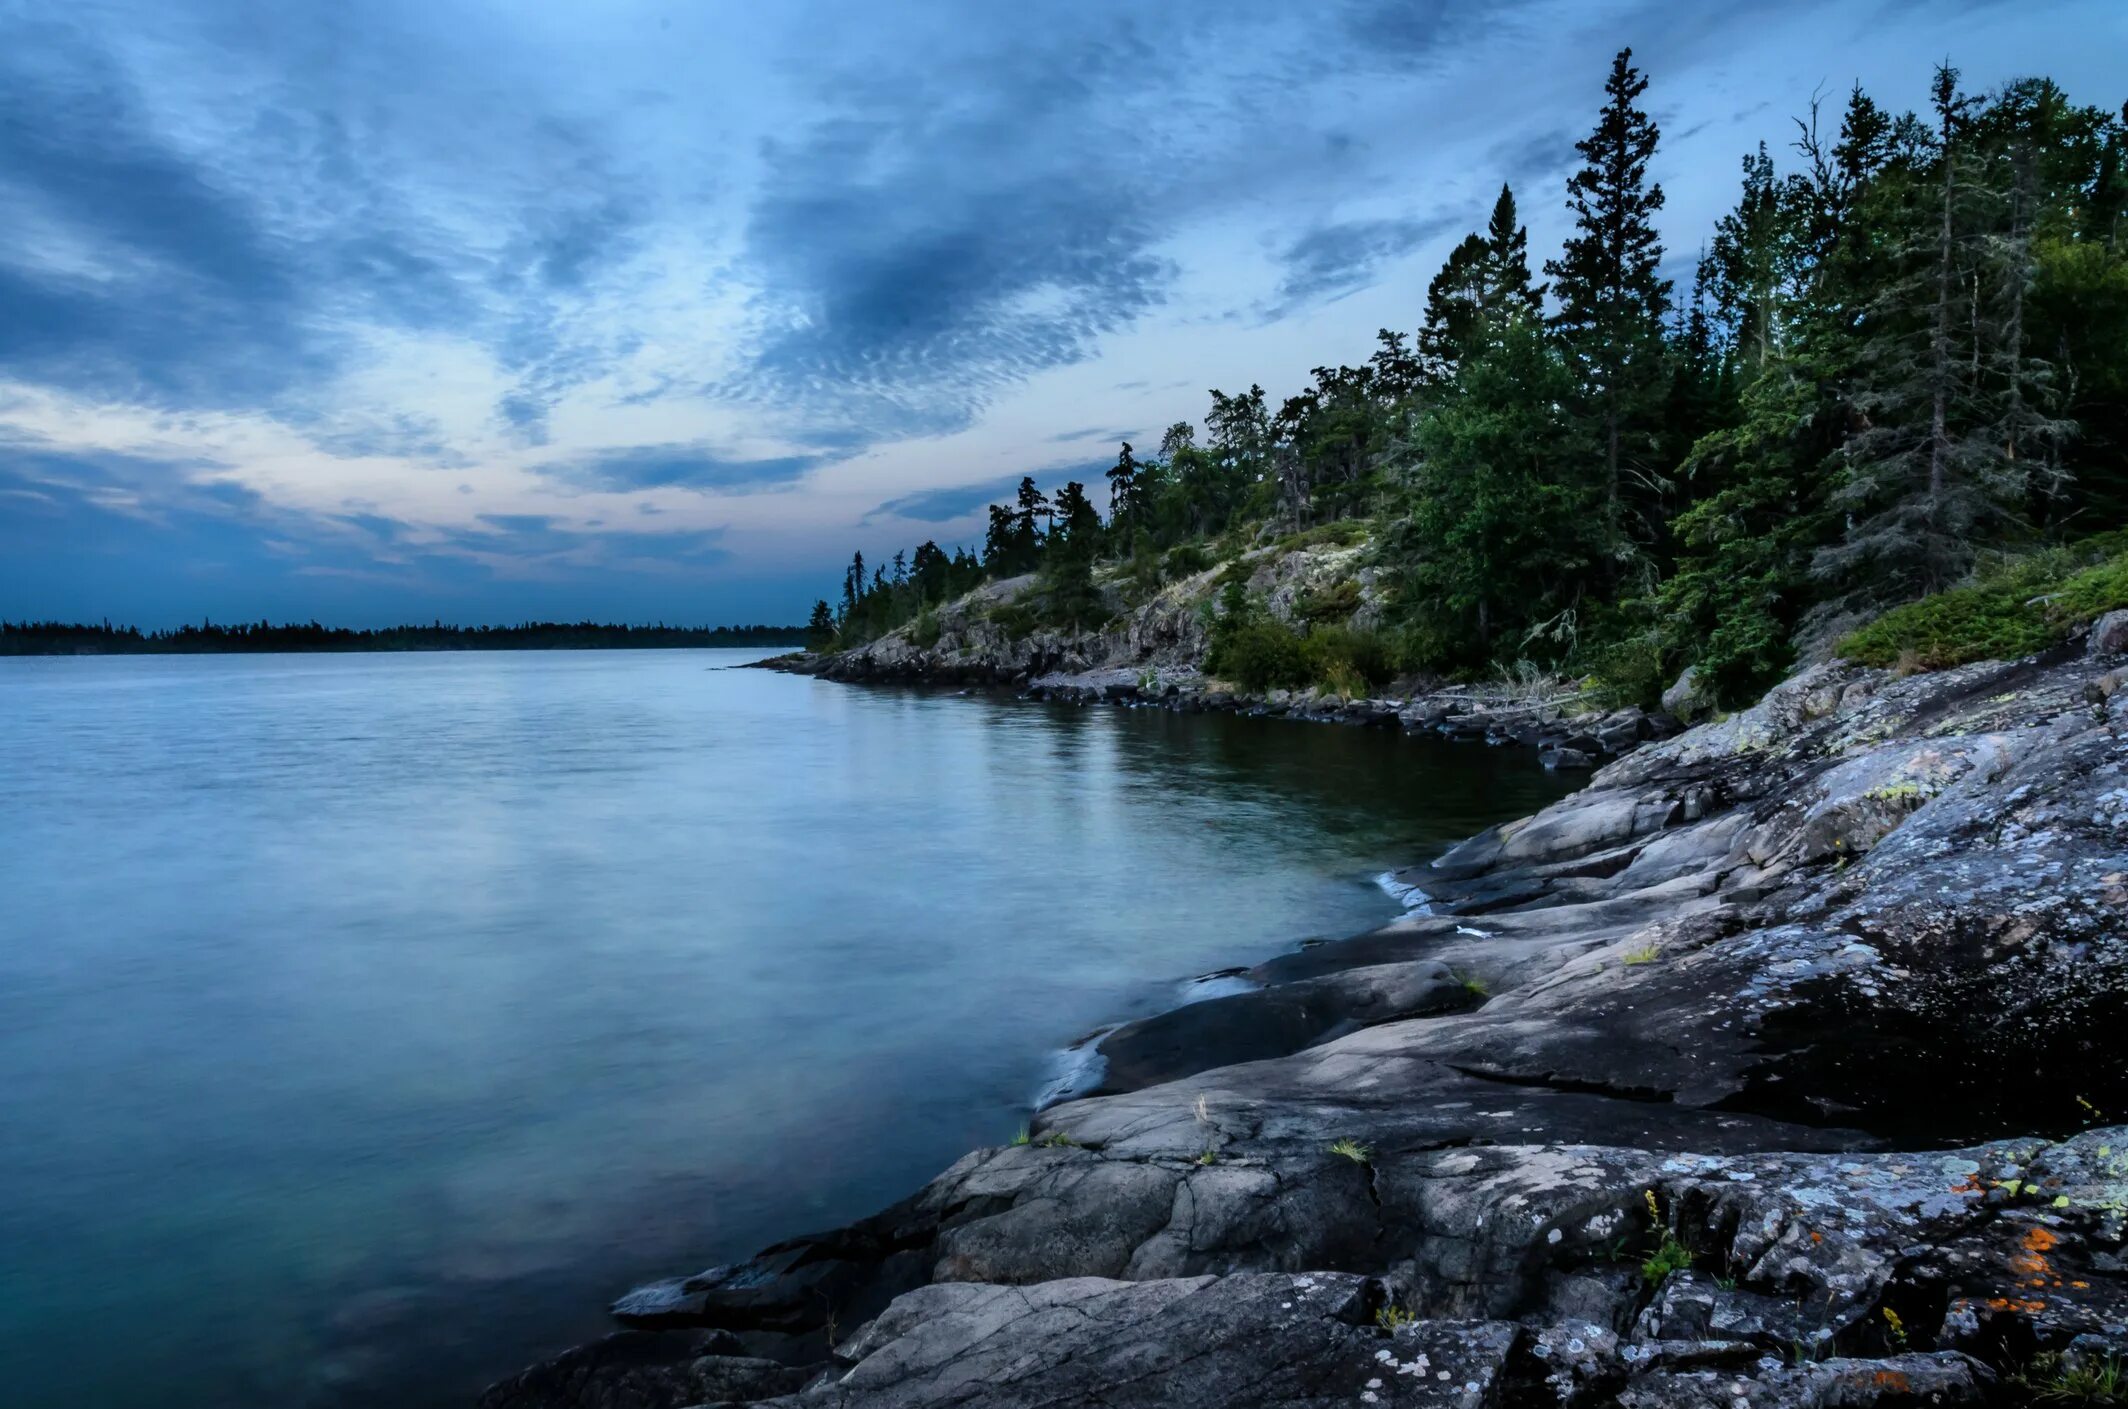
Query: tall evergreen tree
[(1123, 486), (820, 630), (1486, 278), (1612, 298)]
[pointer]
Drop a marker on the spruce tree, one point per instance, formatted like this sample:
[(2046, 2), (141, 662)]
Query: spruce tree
[(820, 630), (1613, 299), (1123, 486)]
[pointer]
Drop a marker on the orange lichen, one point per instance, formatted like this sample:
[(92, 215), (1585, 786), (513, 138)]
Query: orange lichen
[(2002, 1303)]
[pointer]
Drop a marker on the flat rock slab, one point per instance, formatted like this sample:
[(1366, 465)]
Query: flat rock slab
[(1189, 1343)]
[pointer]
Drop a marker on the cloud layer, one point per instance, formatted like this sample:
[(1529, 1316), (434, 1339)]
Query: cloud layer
[(443, 309)]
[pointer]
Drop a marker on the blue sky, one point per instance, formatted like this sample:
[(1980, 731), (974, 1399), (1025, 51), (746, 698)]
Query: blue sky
[(657, 310)]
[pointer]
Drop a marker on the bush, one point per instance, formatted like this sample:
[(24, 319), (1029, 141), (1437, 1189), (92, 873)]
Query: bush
[(2092, 593), (2024, 606), (1335, 603), (1350, 662), (1261, 655), (1951, 628), (924, 632), (1185, 560)]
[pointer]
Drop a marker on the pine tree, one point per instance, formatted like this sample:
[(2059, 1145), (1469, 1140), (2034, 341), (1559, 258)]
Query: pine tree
[(1612, 299), (1497, 539), (1919, 488), (1123, 486), (820, 630), (1486, 278), (1078, 529), (1026, 537)]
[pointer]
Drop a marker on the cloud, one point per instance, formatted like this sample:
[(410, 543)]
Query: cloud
[(944, 505), (686, 466), (1095, 433), (948, 503), (927, 246), (1333, 261)]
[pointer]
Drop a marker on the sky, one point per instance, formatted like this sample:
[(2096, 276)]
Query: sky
[(490, 310)]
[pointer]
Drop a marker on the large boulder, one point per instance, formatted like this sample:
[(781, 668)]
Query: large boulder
[(2109, 635), (1689, 698)]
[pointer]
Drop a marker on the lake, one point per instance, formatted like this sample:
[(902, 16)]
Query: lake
[(368, 1021)]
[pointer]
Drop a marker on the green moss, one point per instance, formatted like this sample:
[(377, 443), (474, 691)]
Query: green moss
[(2024, 605), (1342, 533), (1336, 602), (1951, 628)]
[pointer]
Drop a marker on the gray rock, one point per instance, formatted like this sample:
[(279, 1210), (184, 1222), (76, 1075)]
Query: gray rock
[(2109, 635), (1688, 698)]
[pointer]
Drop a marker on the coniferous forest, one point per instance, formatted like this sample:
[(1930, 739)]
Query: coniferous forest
[(1887, 413)]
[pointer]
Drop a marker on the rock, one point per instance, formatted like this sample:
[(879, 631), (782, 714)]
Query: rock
[(1689, 698), (648, 1370), (1565, 758), (2109, 635), (1082, 1344)]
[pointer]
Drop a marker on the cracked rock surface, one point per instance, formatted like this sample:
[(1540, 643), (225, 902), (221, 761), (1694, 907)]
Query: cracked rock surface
[(1780, 1066)]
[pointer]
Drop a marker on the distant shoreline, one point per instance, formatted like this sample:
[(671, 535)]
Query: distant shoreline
[(310, 638)]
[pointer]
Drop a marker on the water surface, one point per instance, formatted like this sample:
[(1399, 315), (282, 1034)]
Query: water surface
[(367, 1021)]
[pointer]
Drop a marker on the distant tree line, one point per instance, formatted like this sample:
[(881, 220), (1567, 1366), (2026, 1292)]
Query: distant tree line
[(1902, 354), (54, 638)]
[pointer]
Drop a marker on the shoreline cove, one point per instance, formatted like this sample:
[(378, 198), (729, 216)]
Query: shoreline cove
[(1631, 1137)]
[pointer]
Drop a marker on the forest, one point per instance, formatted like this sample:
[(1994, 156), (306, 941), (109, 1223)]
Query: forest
[(53, 638), (1887, 415)]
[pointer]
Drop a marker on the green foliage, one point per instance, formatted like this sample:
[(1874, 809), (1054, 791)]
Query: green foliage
[(1336, 602), (1352, 1150), (2054, 1378), (2024, 607), (1340, 533), (1260, 654), (924, 631), (1951, 628), (1669, 1255), (1905, 352), (1502, 531), (1646, 954), (1185, 560), (1394, 1315), (2092, 593)]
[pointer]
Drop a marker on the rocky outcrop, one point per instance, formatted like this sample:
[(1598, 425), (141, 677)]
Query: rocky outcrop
[(1776, 1068)]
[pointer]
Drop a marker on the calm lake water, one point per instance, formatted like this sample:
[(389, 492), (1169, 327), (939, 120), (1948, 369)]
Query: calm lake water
[(367, 1021)]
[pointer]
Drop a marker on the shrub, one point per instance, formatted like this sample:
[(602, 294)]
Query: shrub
[(1186, 559), (1336, 603), (924, 632), (2092, 593), (1951, 628), (1348, 661), (1260, 655), (2021, 606)]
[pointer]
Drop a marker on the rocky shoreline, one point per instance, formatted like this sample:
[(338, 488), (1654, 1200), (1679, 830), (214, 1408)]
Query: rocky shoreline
[(1779, 1066), (1559, 724)]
